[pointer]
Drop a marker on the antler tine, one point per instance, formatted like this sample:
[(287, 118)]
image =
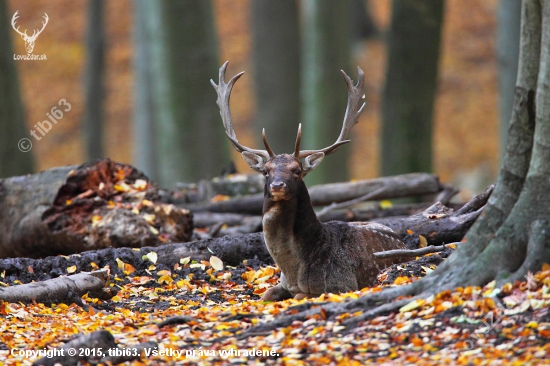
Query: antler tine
[(355, 106), (297, 144), (223, 90), (266, 144)]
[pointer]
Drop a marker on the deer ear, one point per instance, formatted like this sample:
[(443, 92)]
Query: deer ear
[(254, 161), (312, 162)]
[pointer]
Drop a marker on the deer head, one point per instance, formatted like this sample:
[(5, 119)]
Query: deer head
[(29, 40), (281, 170)]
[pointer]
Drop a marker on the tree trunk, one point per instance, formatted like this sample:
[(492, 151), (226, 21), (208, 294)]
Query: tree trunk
[(410, 86), (15, 142), (191, 143), (508, 31), (276, 61), (144, 140), (93, 81), (326, 38)]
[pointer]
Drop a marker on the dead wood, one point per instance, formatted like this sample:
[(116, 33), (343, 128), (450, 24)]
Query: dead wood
[(415, 184), (412, 252), (72, 209), (60, 290), (93, 348), (438, 223)]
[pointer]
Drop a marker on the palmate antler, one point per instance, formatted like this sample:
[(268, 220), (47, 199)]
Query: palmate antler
[(224, 93), (354, 109), (356, 103)]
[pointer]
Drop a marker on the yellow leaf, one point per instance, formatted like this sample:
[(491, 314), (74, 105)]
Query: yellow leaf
[(120, 263), (185, 260), (423, 243), (122, 187), (385, 204), (164, 272), (165, 279), (152, 256), (150, 218), (71, 269), (216, 263), (412, 305), (116, 298)]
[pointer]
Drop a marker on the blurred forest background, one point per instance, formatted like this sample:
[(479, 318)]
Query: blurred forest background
[(136, 74)]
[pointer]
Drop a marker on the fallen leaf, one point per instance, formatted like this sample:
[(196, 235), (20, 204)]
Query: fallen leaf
[(216, 263)]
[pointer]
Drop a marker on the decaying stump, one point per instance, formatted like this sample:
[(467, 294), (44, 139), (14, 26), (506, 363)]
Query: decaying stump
[(96, 205)]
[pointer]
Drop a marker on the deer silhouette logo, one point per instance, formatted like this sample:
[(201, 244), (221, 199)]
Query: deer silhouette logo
[(29, 40)]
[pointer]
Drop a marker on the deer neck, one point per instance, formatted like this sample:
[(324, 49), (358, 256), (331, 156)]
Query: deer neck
[(290, 226)]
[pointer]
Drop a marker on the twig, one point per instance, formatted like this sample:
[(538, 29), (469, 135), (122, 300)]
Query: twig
[(413, 252), (366, 197)]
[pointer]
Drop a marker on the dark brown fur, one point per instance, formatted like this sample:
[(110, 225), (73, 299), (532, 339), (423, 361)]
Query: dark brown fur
[(317, 258)]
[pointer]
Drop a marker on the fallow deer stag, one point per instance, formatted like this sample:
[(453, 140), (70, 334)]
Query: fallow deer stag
[(314, 257)]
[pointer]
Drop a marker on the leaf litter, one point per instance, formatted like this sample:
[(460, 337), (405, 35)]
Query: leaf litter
[(200, 308)]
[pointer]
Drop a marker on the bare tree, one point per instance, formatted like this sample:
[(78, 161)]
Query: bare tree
[(410, 86), (276, 59), (184, 58), (326, 39), (144, 141), (13, 161), (93, 81)]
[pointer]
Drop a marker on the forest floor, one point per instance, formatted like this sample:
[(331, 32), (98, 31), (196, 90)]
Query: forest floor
[(467, 326)]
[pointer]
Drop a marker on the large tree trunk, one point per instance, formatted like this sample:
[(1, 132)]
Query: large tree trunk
[(144, 140), (276, 61), (93, 81), (191, 142), (326, 49), (15, 141), (410, 86)]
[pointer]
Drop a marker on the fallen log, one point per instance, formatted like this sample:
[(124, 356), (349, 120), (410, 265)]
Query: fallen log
[(72, 209), (406, 185), (61, 289), (438, 224), (413, 252)]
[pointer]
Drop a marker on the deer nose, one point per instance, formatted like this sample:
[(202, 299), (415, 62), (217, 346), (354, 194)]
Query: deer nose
[(277, 186)]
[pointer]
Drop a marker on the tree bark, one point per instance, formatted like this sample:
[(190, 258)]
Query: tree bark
[(14, 159), (144, 137), (326, 35), (410, 86), (276, 61), (508, 34), (93, 81), (60, 290), (184, 57)]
